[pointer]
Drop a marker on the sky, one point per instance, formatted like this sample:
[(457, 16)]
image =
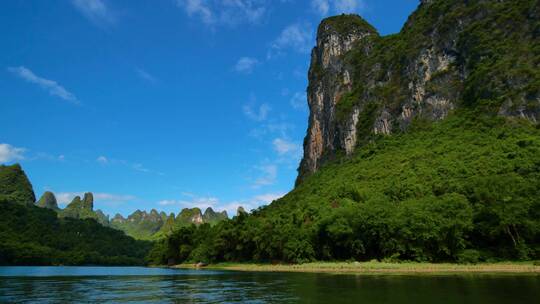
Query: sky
[(163, 104)]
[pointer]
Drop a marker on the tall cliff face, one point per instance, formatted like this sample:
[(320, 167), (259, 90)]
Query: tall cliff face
[(330, 78), (450, 54)]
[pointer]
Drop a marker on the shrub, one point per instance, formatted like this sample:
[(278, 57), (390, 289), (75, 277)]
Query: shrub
[(468, 256)]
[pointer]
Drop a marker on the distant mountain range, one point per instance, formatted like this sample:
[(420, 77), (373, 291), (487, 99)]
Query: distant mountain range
[(42, 234), (140, 224)]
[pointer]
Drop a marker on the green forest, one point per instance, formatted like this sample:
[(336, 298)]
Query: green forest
[(462, 190), (31, 235)]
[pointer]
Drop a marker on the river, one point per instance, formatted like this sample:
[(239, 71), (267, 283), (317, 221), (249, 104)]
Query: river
[(159, 285)]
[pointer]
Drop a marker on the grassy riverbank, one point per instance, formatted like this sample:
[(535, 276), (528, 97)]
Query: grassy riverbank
[(379, 268)]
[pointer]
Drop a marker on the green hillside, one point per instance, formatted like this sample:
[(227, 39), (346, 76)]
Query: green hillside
[(31, 235), (447, 159), (465, 189)]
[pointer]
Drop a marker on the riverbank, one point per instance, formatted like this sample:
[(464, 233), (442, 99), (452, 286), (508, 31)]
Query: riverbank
[(379, 268)]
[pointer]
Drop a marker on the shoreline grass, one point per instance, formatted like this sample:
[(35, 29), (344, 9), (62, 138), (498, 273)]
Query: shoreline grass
[(381, 268)]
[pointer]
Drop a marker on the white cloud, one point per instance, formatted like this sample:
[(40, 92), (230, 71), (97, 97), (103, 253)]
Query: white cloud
[(135, 166), (203, 202), (197, 8), (299, 100), (113, 197), (251, 203), (95, 10), (272, 128), (140, 168), (286, 147), (268, 175), (321, 6), (259, 114), (101, 198), (266, 198), (8, 153), (227, 12), (46, 156), (51, 86), (193, 201), (325, 7), (348, 6), (297, 36), (144, 75), (246, 65), (167, 202)]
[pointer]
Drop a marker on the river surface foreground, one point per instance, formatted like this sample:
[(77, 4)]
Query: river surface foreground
[(160, 285)]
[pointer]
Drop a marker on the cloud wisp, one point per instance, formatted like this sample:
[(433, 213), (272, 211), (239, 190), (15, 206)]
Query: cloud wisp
[(203, 202), (297, 37), (105, 161), (144, 75), (327, 7), (285, 147), (96, 11), (267, 177), (255, 113), (51, 86), (101, 198), (299, 101), (9, 153), (229, 12), (246, 65)]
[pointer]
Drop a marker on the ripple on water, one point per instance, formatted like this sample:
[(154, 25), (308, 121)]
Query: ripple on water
[(179, 286), (117, 285)]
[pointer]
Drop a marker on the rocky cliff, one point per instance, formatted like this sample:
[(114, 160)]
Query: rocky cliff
[(450, 54)]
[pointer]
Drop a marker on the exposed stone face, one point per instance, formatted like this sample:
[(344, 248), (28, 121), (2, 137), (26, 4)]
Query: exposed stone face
[(240, 210), (361, 85), (48, 200), (329, 79), (118, 218), (197, 219), (188, 216), (88, 201)]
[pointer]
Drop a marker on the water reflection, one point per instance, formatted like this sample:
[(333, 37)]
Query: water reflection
[(102, 286)]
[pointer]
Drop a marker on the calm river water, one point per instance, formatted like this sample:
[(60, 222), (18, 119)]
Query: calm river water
[(138, 284)]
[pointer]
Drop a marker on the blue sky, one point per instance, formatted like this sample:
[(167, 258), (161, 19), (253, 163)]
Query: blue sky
[(163, 104)]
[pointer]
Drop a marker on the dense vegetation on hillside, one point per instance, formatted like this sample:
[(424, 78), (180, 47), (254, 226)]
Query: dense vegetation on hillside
[(14, 186), (156, 225), (497, 46), (464, 189), (30, 235)]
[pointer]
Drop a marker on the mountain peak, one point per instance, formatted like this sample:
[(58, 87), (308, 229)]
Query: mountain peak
[(15, 186), (362, 85), (88, 201), (48, 200)]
